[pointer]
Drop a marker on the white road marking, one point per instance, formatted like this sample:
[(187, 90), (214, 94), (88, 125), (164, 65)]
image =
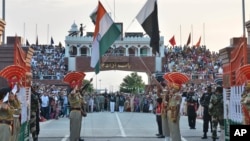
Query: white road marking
[(120, 126), (183, 139), (65, 138)]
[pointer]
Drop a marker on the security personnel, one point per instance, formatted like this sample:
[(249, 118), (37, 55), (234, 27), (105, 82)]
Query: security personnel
[(192, 106), (165, 125), (76, 113), (6, 116), (245, 101), (205, 99), (16, 105), (217, 112), (173, 112), (35, 112)]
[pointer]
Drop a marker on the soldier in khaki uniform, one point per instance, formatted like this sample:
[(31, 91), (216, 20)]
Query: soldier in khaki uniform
[(175, 81), (76, 101), (6, 117), (245, 101), (16, 105), (173, 113), (163, 92)]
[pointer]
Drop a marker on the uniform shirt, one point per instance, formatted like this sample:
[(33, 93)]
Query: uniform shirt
[(16, 106), (75, 100), (246, 101), (216, 105), (6, 113)]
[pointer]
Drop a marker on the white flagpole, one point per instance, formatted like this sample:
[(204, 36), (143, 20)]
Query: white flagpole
[(243, 17)]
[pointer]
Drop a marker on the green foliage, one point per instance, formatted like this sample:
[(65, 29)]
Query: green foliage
[(132, 84), (90, 87)]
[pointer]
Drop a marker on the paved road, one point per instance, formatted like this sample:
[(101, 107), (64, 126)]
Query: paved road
[(106, 126)]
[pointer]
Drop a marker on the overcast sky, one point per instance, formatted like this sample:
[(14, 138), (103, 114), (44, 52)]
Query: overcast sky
[(216, 21)]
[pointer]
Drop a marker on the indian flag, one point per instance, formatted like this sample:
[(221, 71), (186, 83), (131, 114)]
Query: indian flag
[(106, 32)]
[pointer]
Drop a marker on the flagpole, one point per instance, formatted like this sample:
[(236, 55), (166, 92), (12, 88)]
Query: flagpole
[(204, 34), (243, 17), (180, 36), (3, 6), (36, 31), (114, 10), (48, 34), (24, 32), (192, 34)]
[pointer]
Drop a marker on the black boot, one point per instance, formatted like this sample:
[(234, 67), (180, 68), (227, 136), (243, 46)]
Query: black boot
[(204, 135)]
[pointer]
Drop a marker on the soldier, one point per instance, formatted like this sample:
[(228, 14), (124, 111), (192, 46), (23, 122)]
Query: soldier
[(245, 101), (6, 116), (35, 113), (165, 125), (205, 99), (192, 106), (217, 112), (76, 113), (173, 113), (16, 105)]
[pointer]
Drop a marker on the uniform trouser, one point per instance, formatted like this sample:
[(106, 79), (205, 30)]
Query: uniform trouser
[(16, 129), (175, 133), (75, 124), (191, 116), (165, 125), (159, 124), (112, 107), (33, 125), (5, 132), (215, 121), (206, 120)]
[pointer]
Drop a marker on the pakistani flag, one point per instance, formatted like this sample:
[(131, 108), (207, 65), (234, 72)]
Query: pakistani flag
[(148, 18), (106, 32)]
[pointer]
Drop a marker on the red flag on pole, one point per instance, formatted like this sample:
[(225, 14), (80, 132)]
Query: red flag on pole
[(189, 39), (172, 41), (198, 43)]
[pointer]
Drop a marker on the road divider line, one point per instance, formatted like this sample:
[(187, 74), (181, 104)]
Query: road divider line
[(65, 138), (120, 125)]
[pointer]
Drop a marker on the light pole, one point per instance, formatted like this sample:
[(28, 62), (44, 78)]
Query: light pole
[(100, 84)]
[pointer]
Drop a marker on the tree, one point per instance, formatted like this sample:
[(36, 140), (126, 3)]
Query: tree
[(90, 88), (132, 84)]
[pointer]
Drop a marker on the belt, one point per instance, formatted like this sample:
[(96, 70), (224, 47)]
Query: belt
[(76, 109), (172, 108), (5, 122)]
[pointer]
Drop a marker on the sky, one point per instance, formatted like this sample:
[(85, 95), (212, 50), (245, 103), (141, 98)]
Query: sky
[(216, 21)]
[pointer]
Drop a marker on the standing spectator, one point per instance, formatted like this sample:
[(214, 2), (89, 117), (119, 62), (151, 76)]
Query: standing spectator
[(102, 102), (112, 103), (91, 104), (121, 103), (65, 105), (45, 105), (205, 99), (217, 112), (192, 106)]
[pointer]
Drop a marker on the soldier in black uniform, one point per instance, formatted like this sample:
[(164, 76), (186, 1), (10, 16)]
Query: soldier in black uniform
[(205, 99), (192, 106)]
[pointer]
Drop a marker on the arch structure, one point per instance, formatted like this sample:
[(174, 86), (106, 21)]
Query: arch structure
[(131, 52), (235, 74)]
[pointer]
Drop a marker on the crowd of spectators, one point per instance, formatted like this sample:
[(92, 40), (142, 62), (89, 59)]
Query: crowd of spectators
[(48, 62)]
